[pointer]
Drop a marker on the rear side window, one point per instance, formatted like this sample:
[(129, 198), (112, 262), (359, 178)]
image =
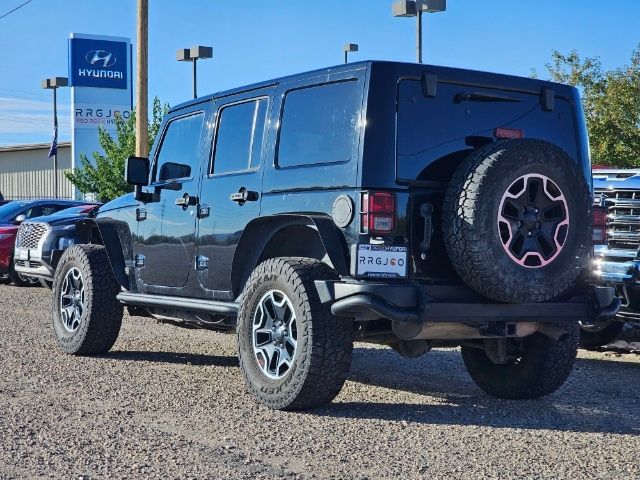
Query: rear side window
[(239, 138), (42, 210), (179, 155), (319, 124)]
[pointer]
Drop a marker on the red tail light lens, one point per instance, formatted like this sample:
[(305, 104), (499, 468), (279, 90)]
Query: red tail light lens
[(599, 229), (378, 212), (502, 132)]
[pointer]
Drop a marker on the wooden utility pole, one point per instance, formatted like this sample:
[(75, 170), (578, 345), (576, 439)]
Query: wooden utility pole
[(142, 129)]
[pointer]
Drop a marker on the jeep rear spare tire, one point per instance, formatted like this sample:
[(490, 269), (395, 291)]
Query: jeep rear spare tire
[(516, 221), (295, 354)]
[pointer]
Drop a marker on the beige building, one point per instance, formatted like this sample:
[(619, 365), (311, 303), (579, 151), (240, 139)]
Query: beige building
[(26, 171)]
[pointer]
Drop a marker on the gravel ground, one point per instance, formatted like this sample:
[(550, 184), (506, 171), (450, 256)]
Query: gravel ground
[(171, 403)]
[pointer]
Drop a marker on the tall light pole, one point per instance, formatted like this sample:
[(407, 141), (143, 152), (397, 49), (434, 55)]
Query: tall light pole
[(54, 83), (192, 55), (142, 124), (349, 48), (415, 8)]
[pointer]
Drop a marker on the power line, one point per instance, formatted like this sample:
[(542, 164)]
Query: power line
[(17, 8), (23, 92)]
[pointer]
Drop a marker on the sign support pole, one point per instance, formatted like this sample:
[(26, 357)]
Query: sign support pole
[(55, 153), (142, 129)]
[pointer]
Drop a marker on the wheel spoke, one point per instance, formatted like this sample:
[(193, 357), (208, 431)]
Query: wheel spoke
[(68, 315), (291, 342), (263, 336), (68, 297), (283, 359), (533, 187)]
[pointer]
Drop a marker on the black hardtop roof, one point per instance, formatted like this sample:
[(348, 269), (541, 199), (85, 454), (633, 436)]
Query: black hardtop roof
[(450, 74)]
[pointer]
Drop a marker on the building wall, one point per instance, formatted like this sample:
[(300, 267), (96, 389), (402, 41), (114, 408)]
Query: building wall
[(26, 172)]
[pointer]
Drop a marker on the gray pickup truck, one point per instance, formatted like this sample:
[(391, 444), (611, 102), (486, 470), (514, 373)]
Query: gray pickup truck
[(41, 241), (617, 260)]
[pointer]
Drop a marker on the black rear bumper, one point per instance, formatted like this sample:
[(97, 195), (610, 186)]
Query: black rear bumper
[(413, 304)]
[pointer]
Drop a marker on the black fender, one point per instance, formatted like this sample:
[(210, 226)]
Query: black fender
[(116, 237), (259, 232)]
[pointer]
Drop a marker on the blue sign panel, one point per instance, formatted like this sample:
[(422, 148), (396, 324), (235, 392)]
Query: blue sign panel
[(97, 63)]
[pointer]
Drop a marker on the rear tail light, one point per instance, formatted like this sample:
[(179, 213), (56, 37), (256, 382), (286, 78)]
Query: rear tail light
[(378, 212), (599, 229), (502, 132)]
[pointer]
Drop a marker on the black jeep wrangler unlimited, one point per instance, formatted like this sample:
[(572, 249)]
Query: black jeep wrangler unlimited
[(408, 205)]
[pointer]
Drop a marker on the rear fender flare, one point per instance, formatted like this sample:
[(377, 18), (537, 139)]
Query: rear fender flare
[(259, 232)]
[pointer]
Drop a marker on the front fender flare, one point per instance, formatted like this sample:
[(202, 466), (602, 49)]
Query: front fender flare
[(117, 240)]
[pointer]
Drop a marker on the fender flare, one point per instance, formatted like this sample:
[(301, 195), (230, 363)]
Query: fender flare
[(259, 232), (117, 240)]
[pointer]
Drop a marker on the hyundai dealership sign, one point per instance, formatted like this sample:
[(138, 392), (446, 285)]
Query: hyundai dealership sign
[(100, 77), (98, 63)]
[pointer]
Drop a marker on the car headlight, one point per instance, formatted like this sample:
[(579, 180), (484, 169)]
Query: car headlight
[(65, 242)]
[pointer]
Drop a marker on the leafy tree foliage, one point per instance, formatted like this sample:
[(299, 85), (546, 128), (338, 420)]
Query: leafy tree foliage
[(611, 101), (105, 175)]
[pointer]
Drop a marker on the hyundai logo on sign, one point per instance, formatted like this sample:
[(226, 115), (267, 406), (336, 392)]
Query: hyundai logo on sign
[(101, 57), (97, 63)]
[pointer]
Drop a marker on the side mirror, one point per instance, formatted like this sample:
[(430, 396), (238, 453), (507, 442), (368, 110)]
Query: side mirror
[(136, 171), (20, 218)]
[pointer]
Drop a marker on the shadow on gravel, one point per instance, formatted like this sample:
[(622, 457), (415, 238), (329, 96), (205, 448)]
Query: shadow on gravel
[(599, 397), (173, 357)]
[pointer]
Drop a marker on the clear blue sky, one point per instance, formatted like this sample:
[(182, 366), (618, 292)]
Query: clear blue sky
[(261, 39)]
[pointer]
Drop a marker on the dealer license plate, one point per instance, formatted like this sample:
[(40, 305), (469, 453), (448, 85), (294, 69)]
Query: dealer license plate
[(381, 261), (24, 254)]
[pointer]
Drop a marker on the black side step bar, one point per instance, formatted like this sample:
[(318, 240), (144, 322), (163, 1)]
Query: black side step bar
[(227, 309)]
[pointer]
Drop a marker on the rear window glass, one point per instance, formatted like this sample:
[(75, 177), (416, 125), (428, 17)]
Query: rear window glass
[(432, 127), (319, 124), (239, 138)]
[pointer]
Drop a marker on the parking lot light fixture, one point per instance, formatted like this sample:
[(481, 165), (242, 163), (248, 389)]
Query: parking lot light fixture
[(54, 83), (349, 48), (415, 8), (193, 54)]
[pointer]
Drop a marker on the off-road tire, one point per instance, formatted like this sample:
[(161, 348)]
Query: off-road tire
[(470, 224), (102, 316), (324, 344), (591, 340), (541, 370), (18, 280)]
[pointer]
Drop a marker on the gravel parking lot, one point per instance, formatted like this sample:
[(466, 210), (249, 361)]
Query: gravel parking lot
[(170, 403)]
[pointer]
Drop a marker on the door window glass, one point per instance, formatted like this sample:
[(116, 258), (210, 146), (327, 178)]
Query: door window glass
[(239, 137), (179, 155), (319, 124)]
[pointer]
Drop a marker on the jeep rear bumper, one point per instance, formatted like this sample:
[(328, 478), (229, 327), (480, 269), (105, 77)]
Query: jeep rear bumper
[(412, 307)]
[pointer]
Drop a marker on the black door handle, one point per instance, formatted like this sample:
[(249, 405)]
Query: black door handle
[(243, 196), (186, 200)]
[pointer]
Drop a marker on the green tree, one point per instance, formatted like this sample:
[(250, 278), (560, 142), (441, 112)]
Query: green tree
[(611, 101), (105, 175)]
